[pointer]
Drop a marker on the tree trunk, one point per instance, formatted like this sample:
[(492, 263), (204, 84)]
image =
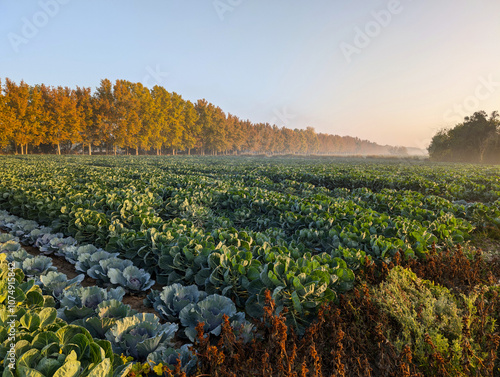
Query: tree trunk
[(189, 151), (137, 150), (90, 149), (26, 148), (173, 152), (115, 149), (59, 148), (22, 149)]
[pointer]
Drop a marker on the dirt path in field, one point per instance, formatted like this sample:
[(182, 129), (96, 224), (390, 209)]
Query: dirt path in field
[(135, 301)]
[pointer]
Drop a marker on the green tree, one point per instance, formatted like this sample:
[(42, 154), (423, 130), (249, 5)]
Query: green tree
[(472, 140)]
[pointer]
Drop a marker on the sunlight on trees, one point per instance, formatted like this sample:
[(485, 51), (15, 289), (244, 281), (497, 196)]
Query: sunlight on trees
[(130, 118)]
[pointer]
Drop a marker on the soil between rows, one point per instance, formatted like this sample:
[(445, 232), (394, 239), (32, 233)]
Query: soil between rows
[(135, 301)]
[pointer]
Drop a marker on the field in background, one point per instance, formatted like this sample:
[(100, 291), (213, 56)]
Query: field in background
[(306, 230)]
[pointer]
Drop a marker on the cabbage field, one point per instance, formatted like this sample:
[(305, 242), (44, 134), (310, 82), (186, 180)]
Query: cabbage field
[(236, 245)]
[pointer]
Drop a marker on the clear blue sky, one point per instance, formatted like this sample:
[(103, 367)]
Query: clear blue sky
[(420, 65)]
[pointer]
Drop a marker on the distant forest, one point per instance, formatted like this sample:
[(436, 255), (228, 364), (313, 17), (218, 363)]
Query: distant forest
[(476, 139), (127, 117)]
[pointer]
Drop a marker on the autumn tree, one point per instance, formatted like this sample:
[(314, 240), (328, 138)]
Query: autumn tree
[(144, 111), (15, 101), (62, 120), (159, 117), (205, 121), (6, 130), (89, 132), (279, 142), (129, 115), (235, 137), (312, 140), (247, 131), (175, 122), (126, 111), (24, 113), (104, 115), (191, 134)]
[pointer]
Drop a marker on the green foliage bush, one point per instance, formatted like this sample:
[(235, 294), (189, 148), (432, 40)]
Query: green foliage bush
[(430, 318)]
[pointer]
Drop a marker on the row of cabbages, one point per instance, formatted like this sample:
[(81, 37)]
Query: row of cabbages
[(106, 268), (34, 342), (101, 311)]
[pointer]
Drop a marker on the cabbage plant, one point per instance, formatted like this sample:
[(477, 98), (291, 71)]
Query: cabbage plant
[(210, 311), (37, 266), (86, 260), (169, 357), (4, 237), (36, 234), (22, 228), (9, 246), (71, 253), (4, 218), (81, 302), (107, 313), (131, 278), (174, 298), (55, 283), (152, 299), (18, 257), (243, 329), (90, 297), (100, 271), (114, 309), (8, 221), (140, 335), (45, 238), (57, 244)]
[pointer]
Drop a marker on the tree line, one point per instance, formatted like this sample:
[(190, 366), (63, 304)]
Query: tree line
[(476, 139), (128, 117)]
